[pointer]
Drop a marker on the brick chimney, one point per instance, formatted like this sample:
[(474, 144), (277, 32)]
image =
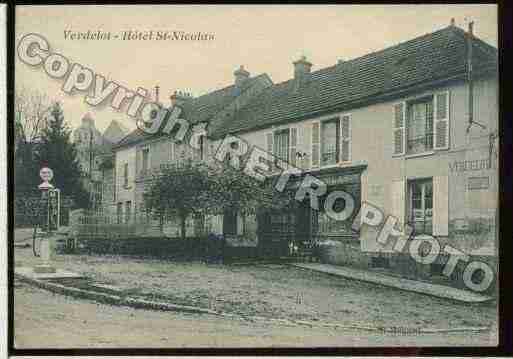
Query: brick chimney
[(179, 97), (301, 67), (157, 91), (241, 75)]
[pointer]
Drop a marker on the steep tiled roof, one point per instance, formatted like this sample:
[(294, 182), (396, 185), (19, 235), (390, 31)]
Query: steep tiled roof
[(199, 109), (435, 56)]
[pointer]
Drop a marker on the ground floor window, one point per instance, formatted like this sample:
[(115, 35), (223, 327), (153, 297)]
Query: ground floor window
[(230, 223), (128, 211), (421, 206), (119, 212)]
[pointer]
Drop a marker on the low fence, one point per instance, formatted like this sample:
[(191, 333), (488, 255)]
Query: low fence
[(102, 234), (29, 210), (167, 248)]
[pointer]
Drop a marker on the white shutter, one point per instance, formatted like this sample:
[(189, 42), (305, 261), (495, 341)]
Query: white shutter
[(240, 224), (400, 128), (293, 146), (398, 192), (345, 138), (441, 119), (441, 206), (316, 148), (270, 147), (171, 151)]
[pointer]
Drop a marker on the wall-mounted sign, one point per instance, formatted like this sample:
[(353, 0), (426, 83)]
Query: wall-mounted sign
[(471, 165), (476, 183)]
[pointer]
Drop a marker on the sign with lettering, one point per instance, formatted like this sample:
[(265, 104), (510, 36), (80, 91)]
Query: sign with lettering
[(471, 165), (476, 183)]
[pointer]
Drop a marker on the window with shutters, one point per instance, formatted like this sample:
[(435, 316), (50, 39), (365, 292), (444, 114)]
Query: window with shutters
[(281, 144), (420, 216), (330, 142), (420, 126)]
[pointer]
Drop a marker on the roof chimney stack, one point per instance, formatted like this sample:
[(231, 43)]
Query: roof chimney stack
[(301, 67), (453, 22), (471, 28), (241, 75), (157, 88)]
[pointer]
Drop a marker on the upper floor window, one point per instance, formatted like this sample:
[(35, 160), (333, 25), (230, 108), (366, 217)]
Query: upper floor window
[(281, 144), (420, 126), (329, 142)]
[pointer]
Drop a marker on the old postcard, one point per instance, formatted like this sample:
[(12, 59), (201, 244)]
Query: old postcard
[(257, 176)]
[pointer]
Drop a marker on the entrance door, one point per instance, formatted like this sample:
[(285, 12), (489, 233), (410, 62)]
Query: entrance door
[(303, 222)]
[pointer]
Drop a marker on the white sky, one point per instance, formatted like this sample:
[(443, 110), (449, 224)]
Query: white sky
[(262, 38)]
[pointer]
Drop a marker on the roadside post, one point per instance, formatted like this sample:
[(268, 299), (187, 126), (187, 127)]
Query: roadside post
[(50, 197)]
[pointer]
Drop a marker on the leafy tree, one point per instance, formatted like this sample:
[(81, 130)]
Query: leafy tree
[(195, 189), (55, 150), (180, 191), (235, 191)]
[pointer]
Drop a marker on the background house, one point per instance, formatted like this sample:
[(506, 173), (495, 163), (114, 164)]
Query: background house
[(139, 154), (94, 153)]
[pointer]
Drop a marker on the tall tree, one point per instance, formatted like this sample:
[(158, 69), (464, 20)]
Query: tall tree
[(31, 110), (55, 150)]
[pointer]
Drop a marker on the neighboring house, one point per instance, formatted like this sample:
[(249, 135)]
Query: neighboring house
[(95, 148), (115, 132), (392, 129), (139, 154)]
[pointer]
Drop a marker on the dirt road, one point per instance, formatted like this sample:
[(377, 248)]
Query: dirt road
[(46, 320)]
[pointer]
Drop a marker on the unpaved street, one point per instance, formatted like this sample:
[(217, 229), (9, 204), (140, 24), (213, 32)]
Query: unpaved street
[(46, 320)]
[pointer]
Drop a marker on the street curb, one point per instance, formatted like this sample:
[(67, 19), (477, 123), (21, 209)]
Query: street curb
[(112, 299), (147, 304), (485, 299)]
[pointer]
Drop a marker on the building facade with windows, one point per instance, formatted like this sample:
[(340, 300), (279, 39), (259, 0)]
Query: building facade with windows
[(411, 129), (407, 129), (139, 155)]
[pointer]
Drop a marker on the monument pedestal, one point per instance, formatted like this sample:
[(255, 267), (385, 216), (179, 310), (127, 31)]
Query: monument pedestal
[(46, 256)]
